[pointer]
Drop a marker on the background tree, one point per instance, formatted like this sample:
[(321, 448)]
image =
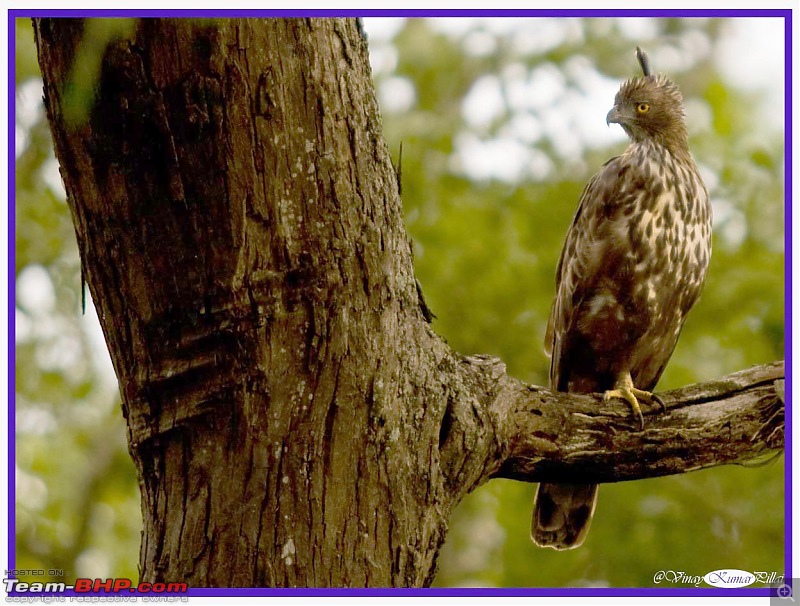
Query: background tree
[(485, 254)]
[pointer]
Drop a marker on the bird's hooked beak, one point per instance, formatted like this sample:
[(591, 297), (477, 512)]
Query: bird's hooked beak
[(614, 116), (621, 115)]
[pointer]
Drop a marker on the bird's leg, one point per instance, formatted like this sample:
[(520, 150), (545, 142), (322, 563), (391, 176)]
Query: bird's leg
[(624, 390)]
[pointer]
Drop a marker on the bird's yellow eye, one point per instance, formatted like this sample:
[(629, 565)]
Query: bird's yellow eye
[(643, 108)]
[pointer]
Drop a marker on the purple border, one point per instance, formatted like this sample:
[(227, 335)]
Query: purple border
[(14, 14), (674, 592), (787, 231), (12, 298), (207, 13)]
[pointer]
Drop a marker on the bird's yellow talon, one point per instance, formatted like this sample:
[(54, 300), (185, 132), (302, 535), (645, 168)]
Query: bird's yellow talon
[(656, 399), (630, 398), (624, 390)]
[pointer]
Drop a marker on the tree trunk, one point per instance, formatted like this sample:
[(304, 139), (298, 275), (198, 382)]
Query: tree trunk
[(292, 416)]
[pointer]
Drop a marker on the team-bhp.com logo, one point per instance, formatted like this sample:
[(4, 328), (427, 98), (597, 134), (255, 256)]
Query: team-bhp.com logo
[(94, 586)]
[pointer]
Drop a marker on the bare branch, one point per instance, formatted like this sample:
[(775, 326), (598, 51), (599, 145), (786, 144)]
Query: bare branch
[(556, 437)]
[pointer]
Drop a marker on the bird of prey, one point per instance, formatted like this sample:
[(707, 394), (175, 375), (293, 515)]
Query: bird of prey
[(633, 264)]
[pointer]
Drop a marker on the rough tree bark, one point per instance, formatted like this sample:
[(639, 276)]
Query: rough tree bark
[(293, 418)]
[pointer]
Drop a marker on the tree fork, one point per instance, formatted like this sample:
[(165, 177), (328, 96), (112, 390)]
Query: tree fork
[(293, 419)]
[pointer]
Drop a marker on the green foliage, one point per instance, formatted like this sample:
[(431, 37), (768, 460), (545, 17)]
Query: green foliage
[(485, 252), (85, 73), (25, 63)]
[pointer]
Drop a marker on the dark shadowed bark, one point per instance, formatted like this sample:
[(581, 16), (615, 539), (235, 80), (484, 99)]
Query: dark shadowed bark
[(293, 418)]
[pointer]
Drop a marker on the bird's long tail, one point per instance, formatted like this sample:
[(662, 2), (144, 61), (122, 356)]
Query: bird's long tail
[(562, 514)]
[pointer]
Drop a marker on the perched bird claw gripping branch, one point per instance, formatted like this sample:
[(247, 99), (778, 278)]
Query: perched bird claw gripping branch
[(633, 264), (624, 390)]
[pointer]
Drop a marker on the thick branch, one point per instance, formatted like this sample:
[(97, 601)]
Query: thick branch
[(556, 437)]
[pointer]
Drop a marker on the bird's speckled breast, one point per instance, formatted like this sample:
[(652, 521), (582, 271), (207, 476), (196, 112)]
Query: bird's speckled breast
[(669, 237)]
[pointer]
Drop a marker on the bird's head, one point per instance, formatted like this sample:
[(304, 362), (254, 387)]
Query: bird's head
[(650, 107)]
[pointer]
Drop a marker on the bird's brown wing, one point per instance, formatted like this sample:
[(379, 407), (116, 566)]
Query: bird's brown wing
[(596, 240), (569, 243)]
